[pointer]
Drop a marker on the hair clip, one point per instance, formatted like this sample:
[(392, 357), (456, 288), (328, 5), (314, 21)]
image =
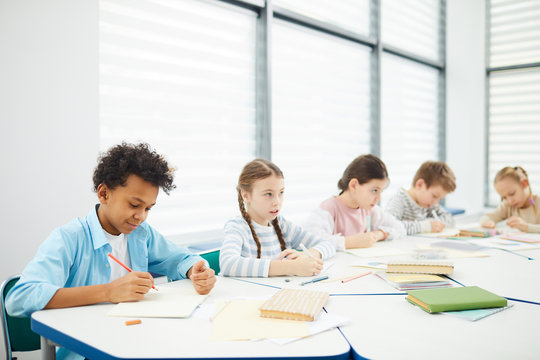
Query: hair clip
[(531, 201)]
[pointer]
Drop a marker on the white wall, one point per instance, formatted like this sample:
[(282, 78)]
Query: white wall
[(466, 101), (49, 121)]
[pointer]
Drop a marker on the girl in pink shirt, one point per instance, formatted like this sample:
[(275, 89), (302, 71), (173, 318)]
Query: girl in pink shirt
[(353, 219)]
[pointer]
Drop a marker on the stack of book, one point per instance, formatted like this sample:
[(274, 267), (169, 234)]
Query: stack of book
[(483, 233), (420, 267), (417, 274), (414, 281)]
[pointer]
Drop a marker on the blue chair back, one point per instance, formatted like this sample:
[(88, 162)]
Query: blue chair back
[(213, 260)]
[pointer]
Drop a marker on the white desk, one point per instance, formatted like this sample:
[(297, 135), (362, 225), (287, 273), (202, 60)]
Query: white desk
[(89, 331), (369, 284), (389, 327), (502, 273), (382, 326)]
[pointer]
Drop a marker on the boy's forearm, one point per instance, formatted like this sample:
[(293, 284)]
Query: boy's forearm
[(79, 296)]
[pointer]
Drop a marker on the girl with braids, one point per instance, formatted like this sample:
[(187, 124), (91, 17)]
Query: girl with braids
[(353, 219), (519, 204), (260, 242)]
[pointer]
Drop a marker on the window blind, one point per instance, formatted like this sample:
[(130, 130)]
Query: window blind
[(409, 119), (514, 125), (180, 75), (412, 25), (514, 94), (320, 119), (352, 15), (514, 32)]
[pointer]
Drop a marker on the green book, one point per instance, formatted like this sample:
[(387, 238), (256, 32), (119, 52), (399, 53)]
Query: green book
[(456, 298)]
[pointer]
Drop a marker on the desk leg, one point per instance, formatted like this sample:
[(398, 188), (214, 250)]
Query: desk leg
[(48, 349)]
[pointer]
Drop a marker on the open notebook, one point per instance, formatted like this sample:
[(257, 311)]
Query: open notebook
[(167, 302)]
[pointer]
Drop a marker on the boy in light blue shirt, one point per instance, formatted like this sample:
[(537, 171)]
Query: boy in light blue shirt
[(71, 268)]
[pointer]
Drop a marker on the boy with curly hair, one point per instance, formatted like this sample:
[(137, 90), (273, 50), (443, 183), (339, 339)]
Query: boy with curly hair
[(71, 268)]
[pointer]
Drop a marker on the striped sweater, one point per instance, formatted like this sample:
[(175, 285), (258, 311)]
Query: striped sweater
[(238, 255), (415, 218)]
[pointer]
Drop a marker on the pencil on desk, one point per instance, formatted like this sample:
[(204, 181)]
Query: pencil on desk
[(355, 277), (314, 280), (124, 266)]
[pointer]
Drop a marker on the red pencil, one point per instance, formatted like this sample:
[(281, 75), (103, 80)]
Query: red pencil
[(355, 277), (124, 266)]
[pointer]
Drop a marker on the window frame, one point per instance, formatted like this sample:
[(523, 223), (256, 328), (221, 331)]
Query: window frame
[(266, 11), (264, 61)]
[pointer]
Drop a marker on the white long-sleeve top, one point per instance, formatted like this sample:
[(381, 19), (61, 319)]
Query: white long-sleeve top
[(238, 255), (331, 225)]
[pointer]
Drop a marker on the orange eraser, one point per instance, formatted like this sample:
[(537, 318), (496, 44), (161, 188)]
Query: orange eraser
[(133, 322)]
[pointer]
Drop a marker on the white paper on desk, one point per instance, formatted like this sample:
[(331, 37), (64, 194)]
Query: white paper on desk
[(168, 301), (324, 322), (377, 251), (241, 320), (208, 310), (455, 254), (327, 265), (505, 244), (370, 264)]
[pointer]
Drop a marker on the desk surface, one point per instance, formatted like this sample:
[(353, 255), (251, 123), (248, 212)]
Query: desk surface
[(89, 331), (382, 326), (505, 274), (340, 269), (388, 327)]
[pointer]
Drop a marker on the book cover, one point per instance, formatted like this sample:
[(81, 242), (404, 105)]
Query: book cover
[(420, 267), (456, 298)]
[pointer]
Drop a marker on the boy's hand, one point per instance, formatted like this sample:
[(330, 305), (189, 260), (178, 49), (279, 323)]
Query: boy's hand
[(488, 224), (203, 278), (437, 226), (517, 223), (130, 287)]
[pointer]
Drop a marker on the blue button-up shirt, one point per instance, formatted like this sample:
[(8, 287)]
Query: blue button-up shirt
[(76, 255)]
